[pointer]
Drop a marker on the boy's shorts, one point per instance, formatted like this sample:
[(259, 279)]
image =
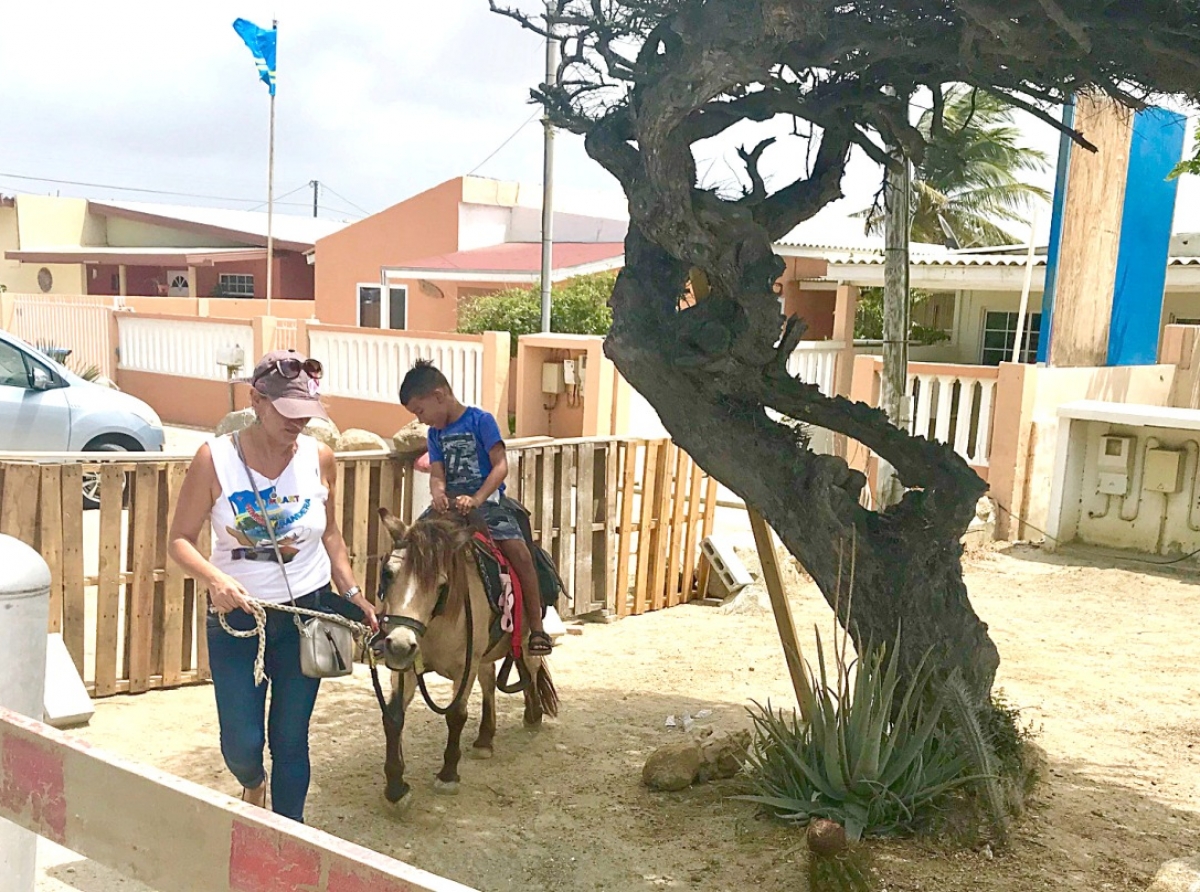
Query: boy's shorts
[(501, 523)]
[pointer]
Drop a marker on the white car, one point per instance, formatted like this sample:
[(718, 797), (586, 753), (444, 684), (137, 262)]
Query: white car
[(45, 407)]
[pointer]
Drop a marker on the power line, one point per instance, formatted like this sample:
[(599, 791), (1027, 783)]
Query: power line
[(331, 191), (17, 176), (284, 195), (496, 151)]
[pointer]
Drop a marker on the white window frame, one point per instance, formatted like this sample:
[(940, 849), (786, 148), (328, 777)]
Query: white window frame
[(385, 304), (221, 277), (1029, 328)]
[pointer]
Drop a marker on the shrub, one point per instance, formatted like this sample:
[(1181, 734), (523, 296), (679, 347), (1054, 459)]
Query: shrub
[(877, 760), (576, 307)]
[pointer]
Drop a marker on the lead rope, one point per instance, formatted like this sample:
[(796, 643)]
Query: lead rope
[(258, 609)]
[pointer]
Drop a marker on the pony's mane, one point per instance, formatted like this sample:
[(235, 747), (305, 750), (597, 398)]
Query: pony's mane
[(434, 546)]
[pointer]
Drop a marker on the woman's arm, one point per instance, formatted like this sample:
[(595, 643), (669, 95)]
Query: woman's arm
[(197, 495), (335, 544)]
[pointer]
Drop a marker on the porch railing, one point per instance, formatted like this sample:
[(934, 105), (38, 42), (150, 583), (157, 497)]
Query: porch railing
[(187, 348), (815, 362)]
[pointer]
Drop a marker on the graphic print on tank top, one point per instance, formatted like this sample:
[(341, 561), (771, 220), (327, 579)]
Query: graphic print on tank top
[(251, 531)]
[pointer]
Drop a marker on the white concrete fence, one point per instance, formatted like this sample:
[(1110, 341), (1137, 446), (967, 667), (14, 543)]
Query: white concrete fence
[(955, 407), (815, 362), (365, 365), (186, 348)]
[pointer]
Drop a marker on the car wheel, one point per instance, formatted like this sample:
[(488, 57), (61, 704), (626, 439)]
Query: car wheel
[(91, 481)]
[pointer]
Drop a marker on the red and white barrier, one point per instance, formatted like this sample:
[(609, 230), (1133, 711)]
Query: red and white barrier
[(172, 834)]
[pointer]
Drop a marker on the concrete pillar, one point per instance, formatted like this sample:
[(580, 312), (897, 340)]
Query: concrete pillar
[(193, 289), (497, 360), (122, 280), (24, 620)]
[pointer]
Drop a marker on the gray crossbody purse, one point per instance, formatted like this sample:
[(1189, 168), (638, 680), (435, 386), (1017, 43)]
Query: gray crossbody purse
[(326, 646)]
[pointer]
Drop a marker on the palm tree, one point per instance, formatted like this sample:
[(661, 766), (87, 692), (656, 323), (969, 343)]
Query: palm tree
[(969, 183)]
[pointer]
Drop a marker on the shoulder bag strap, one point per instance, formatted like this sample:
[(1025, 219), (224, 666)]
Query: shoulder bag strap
[(262, 508)]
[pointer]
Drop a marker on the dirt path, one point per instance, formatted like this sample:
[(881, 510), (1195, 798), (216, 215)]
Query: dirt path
[(1102, 658)]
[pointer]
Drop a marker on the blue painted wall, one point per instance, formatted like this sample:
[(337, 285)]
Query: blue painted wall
[(1145, 237)]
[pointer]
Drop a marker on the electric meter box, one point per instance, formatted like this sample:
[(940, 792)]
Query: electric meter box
[(552, 378), (1164, 471), (1113, 465)]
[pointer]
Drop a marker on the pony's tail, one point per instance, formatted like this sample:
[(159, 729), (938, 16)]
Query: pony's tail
[(547, 693)]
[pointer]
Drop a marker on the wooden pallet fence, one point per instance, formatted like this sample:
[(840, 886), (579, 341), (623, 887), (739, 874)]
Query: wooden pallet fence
[(623, 519)]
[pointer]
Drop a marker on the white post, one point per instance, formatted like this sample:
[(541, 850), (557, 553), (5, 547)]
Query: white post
[(1021, 314), (270, 208), (24, 620), (548, 179)]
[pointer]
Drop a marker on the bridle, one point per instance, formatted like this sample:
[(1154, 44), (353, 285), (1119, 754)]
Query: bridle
[(391, 621)]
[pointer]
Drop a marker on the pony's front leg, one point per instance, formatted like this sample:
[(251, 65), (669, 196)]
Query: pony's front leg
[(398, 792), (482, 748), (456, 719)]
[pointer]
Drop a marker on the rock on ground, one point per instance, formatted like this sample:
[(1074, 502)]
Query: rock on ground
[(672, 767), (722, 754), (358, 440), (412, 439), (1180, 875), (324, 431), (234, 422)]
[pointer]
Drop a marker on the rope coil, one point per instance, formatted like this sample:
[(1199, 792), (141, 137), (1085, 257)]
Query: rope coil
[(258, 609)]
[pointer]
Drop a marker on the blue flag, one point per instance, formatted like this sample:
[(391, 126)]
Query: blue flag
[(262, 45)]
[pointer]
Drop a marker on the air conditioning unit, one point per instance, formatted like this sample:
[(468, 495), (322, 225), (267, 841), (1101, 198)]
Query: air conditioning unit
[(727, 574)]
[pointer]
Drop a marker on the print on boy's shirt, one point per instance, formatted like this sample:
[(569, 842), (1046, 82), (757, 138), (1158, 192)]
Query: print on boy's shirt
[(460, 454), (250, 529)]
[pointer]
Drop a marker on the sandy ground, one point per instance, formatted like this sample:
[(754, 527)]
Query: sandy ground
[(1100, 654)]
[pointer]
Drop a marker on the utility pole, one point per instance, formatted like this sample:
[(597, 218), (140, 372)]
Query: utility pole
[(316, 192), (548, 175), (897, 192)]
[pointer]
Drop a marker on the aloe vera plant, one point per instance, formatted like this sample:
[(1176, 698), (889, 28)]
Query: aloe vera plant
[(870, 756)]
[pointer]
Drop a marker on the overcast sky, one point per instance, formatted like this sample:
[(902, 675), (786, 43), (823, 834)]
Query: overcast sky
[(376, 100)]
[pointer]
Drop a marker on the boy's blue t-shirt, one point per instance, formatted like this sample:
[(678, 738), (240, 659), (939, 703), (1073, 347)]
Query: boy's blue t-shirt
[(462, 447)]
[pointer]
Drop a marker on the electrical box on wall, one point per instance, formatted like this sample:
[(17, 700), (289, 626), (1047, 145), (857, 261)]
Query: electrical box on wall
[(552, 378), (1116, 457), (1164, 471), (569, 372)]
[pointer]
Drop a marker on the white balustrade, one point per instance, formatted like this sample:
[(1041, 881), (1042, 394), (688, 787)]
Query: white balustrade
[(815, 362), (78, 323), (184, 347), (367, 366), (286, 335), (954, 407)]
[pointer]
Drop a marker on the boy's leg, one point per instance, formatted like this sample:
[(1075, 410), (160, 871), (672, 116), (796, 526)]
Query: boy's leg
[(521, 559)]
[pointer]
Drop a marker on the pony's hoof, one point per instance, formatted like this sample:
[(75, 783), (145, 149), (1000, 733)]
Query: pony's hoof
[(481, 752), (401, 805), (533, 726), (445, 788)]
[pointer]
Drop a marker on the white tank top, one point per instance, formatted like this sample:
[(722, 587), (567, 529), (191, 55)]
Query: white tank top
[(295, 504)]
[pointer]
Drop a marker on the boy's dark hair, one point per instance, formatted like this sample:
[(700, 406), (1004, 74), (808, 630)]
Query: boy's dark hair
[(421, 380)]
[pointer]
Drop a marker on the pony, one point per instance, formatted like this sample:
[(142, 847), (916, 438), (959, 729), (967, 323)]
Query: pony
[(436, 617)]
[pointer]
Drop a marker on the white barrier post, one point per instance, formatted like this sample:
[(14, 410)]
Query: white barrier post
[(24, 619)]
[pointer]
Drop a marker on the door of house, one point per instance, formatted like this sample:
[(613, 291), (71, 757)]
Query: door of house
[(177, 283)]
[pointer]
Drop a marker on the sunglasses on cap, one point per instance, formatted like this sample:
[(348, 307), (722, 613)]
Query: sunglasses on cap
[(291, 369)]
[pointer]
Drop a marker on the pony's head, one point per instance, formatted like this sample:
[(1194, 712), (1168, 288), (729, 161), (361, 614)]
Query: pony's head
[(423, 577)]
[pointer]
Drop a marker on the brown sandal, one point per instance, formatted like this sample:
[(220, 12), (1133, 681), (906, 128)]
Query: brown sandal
[(540, 644), (257, 796)]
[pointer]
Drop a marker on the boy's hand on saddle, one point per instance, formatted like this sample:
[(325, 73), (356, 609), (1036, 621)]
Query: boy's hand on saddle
[(466, 504), (441, 503)]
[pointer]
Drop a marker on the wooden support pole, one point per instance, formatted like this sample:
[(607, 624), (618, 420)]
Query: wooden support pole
[(783, 611)]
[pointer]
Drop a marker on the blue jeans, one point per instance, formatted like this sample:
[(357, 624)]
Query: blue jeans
[(246, 724)]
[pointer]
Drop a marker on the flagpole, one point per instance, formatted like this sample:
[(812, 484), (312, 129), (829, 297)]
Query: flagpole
[(271, 199)]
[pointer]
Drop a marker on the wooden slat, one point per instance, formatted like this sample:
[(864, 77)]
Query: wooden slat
[(659, 536), (585, 516), (173, 600), (375, 551), (629, 457), (159, 572), (566, 532), (410, 482), (155, 683), (693, 532), (108, 597), (549, 461), (74, 605), (200, 609), (339, 496), (19, 512), (710, 507), (361, 520), (609, 499), (529, 488), (52, 539), (143, 529), (675, 547), (645, 552)]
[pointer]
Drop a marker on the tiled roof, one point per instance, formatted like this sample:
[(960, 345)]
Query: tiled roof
[(521, 257)]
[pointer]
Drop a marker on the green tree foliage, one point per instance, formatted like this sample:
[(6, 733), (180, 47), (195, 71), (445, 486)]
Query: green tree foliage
[(579, 306), (970, 180), (868, 319)]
